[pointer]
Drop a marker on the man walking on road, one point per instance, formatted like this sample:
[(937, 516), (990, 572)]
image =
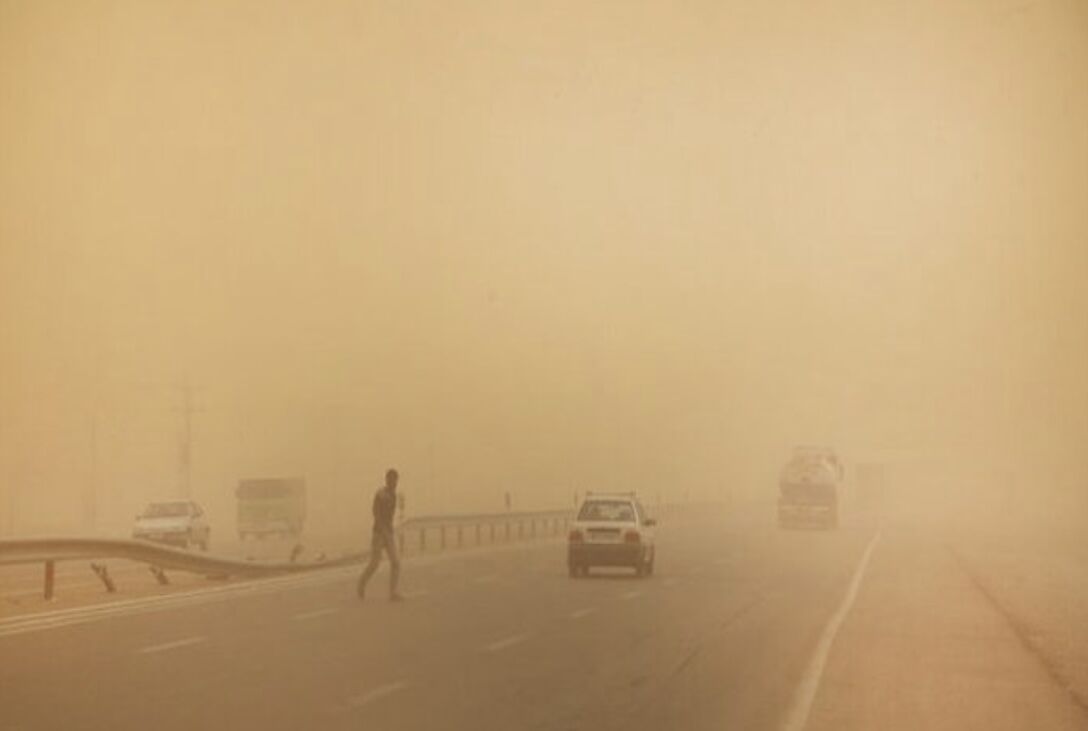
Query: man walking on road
[(384, 538)]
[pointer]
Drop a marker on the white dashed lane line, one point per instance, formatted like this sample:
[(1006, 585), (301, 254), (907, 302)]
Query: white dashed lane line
[(171, 645), (376, 694), (505, 643), (315, 614), (583, 612)]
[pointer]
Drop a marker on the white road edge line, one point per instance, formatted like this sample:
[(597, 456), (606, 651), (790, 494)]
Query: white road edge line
[(505, 643), (315, 613), (171, 645), (376, 693), (583, 612), (810, 681)]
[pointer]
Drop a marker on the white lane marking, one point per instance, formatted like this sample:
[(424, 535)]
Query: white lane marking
[(810, 682), (505, 643), (583, 612), (172, 645), (315, 614), (376, 693), (632, 594)]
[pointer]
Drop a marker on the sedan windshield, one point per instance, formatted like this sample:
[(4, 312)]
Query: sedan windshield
[(166, 510), (608, 510)]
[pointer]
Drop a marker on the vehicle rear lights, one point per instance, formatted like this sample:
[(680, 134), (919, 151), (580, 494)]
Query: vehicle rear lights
[(632, 536), (576, 536)]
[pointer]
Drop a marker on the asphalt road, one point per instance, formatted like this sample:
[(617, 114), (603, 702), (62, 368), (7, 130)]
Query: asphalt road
[(744, 626)]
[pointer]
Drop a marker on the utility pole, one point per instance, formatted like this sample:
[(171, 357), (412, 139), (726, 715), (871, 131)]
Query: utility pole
[(187, 442), (430, 473), (185, 448), (7, 491), (90, 494)]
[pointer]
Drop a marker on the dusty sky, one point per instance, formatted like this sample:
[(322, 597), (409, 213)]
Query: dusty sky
[(502, 246)]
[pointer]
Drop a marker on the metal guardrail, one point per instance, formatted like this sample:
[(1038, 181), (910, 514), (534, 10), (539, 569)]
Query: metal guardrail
[(482, 528), (39, 550), (49, 551)]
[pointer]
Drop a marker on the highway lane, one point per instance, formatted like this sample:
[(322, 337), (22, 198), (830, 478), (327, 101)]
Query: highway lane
[(721, 637)]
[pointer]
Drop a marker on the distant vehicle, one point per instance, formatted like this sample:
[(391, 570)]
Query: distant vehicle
[(177, 523), (808, 489), (271, 506), (611, 529)]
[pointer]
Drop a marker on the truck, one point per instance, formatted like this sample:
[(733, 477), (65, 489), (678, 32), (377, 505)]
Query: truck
[(808, 488), (271, 506)]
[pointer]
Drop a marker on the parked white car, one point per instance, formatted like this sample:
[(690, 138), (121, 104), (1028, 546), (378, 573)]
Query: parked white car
[(177, 523), (611, 529)]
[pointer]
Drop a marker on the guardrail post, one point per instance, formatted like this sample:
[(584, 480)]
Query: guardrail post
[(104, 575), (49, 577)]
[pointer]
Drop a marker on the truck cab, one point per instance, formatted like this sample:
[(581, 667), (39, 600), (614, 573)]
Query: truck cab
[(808, 489)]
